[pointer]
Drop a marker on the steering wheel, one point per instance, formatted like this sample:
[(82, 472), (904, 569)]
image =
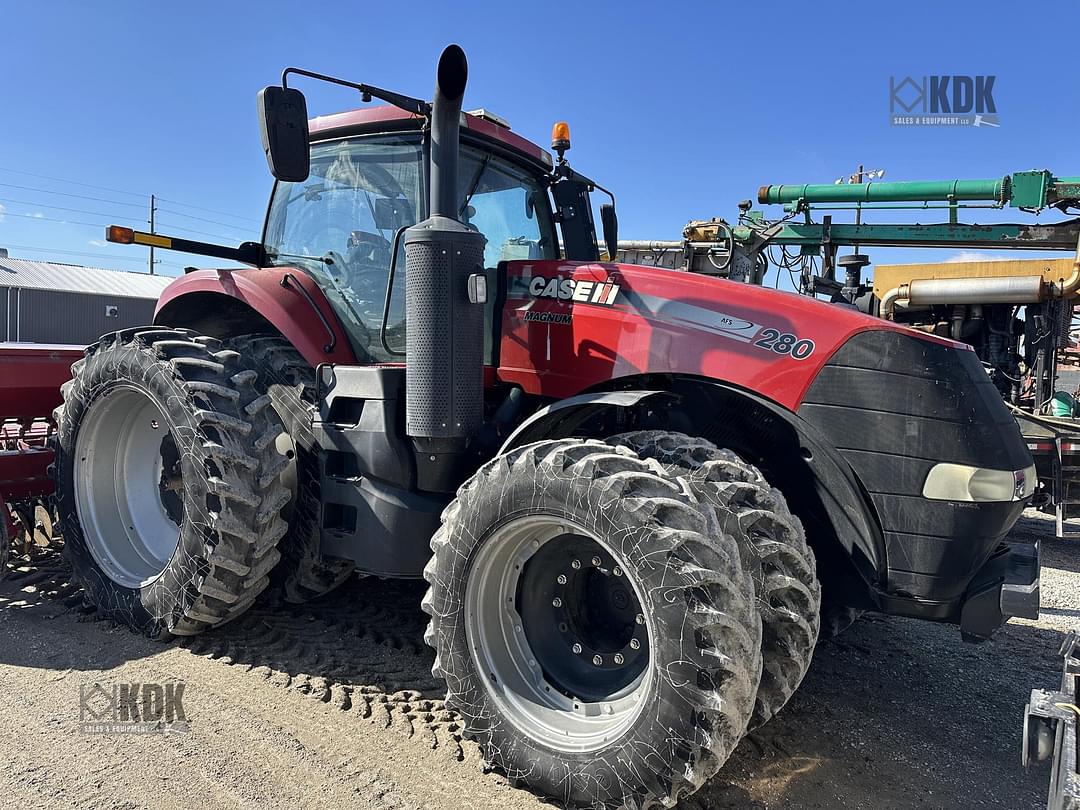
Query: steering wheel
[(369, 249)]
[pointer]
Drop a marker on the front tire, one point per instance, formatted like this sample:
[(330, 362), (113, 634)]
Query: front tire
[(168, 481), (596, 639)]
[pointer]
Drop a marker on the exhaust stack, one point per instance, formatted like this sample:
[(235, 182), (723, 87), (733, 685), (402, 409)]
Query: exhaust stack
[(444, 340)]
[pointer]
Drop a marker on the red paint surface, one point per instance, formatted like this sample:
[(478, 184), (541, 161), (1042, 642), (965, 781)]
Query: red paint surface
[(667, 321), (285, 308), (30, 380), (327, 126)]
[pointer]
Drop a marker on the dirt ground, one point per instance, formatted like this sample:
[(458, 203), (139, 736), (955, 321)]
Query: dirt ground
[(333, 705)]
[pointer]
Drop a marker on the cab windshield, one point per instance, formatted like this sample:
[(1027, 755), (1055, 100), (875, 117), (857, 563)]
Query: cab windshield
[(339, 225)]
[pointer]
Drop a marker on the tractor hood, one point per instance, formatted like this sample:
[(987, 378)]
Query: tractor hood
[(568, 327)]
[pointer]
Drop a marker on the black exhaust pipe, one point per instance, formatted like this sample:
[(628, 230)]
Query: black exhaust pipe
[(450, 81), (444, 338)]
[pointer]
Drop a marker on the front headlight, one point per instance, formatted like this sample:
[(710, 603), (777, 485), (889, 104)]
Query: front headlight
[(962, 482)]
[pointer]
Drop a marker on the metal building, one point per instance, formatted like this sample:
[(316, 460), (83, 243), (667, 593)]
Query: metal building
[(46, 302)]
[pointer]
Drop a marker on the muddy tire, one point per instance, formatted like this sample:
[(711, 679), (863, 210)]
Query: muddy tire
[(772, 544), (595, 637), (289, 380), (168, 480)]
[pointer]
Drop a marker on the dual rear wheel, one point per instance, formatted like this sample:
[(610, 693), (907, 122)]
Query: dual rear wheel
[(610, 617)]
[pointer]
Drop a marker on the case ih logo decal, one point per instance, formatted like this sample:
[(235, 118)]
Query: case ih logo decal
[(569, 289), (775, 342)]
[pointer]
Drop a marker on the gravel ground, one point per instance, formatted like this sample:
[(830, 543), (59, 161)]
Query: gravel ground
[(333, 705)]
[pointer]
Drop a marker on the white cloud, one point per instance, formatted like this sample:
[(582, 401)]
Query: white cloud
[(37, 215), (2, 209), (97, 243), (975, 256)]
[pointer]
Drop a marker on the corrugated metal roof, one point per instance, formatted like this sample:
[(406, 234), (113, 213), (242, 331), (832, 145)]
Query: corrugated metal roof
[(76, 278)]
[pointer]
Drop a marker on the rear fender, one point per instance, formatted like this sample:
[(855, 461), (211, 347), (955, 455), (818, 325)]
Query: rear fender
[(222, 303)]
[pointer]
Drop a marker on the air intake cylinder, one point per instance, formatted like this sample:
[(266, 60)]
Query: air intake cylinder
[(444, 339)]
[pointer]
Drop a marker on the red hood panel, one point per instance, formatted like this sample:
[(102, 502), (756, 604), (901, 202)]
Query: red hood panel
[(569, 326)]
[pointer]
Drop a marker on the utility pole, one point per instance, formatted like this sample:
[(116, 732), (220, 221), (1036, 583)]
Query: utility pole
[(153, 209)]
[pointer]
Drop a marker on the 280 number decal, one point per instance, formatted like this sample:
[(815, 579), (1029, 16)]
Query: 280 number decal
[(785, 343)]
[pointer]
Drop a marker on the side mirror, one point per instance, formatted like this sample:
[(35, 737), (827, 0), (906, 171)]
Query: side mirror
[(609, 221), (283, 126)]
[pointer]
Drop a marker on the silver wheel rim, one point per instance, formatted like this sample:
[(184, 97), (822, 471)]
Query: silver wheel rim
[(513, 672), (127, 506)]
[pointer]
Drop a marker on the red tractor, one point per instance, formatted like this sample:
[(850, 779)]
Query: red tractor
[(627, 487)]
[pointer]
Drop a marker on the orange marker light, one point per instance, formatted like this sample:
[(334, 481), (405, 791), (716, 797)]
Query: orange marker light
[(120, 235), (560, 137)]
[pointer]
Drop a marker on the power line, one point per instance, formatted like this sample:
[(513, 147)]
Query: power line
[(167, 228), (200, 219), (209, 210), (43, 218), (117, 191), (58, 208), (71, 182), (69, 194)]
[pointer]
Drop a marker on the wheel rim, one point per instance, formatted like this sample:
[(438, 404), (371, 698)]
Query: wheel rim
[(557, 631), (128, 486)]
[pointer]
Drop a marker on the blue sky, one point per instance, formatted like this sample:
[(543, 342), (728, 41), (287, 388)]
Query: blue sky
[(682, 109)]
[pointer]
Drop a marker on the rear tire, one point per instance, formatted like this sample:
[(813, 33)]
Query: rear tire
[(168, 481), (772, 543), (303, 574), (541, 661)]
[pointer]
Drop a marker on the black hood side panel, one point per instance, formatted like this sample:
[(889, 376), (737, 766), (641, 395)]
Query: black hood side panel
[(894, 405)]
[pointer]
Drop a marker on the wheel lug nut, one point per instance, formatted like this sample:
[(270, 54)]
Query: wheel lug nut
[(617, 571), (561, 579), (634, 644), (556, 602), (597, 660), (639, 619), (575, 564), (618, 658), (577, 649), (596, 562)]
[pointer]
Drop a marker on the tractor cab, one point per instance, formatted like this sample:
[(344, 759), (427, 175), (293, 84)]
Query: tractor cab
[(367, 184)]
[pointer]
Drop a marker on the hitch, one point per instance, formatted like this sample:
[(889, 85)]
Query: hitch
[(1050, 730)]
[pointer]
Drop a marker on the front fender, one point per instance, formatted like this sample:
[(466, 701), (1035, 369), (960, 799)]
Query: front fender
[(818, 483), (307, 321), (563, 417)]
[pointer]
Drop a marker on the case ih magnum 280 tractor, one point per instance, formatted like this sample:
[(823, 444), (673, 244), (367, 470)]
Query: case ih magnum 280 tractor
[(627, 487)]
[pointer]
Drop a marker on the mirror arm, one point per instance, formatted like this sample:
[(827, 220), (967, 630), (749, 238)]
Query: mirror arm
[(407, 103)]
